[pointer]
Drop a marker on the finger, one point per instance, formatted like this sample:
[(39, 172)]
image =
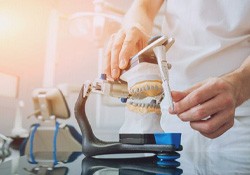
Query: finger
[(204, 110), (114, 55), (194, 87), (177, 95), (107, 57), (220, 131), (116, 48), (129, 48), (196, 97), (214, 123)]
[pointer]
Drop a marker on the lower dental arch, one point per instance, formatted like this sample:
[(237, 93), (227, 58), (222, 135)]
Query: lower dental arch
[(144, 89)]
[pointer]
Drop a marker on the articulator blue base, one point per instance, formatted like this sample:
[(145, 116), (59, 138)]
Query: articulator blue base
[(156, 138), (164, 159)]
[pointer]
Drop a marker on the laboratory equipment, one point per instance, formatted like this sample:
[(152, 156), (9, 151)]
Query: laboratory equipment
[(164, 145), (50, 134)]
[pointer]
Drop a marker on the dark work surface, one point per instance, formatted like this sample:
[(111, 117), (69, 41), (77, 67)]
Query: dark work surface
[(233, 162)]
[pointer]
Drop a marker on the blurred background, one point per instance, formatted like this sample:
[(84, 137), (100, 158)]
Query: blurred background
[(56, 43)]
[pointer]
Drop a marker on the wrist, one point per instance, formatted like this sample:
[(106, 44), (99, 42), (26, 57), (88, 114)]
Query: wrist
[(139, 17), (237, 80), (143, 25)]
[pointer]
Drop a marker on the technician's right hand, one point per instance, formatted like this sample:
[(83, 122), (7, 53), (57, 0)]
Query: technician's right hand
[(121, 47)]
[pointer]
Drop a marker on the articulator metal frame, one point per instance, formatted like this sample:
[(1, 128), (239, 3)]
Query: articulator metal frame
[(93, 146), (164, 145)]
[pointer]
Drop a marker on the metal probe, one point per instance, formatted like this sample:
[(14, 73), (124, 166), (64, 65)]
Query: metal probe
[(164, 66)]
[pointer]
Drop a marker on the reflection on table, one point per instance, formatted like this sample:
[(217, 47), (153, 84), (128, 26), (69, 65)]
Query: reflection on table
[(65, 163)]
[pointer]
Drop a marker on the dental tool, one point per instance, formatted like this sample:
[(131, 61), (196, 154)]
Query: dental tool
[(164, 66)]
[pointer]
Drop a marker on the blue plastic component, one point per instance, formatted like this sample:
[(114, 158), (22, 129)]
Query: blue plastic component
[(32, 157), (124, 100), (103, 76), (169, 157), (168, 139), (168, 163), (55, 143)]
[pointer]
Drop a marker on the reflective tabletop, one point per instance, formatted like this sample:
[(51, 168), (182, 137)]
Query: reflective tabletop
[(64, 163)]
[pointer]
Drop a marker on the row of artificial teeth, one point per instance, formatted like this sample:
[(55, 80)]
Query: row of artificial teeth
[(142, 108), (145, 105), (145, 88)]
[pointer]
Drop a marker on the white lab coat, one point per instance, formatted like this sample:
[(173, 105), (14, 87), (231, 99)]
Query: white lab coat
[(212, 38)]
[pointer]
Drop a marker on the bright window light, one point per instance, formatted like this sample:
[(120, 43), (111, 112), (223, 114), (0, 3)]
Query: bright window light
[(5, 23)]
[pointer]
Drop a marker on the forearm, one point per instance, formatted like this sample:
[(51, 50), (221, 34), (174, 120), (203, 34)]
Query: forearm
[(240, 79), (142, 14)]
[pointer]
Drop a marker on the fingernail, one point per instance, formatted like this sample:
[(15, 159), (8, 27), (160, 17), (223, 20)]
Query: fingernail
[(171, 110), (114, 73), (122, 64), (110, 78)]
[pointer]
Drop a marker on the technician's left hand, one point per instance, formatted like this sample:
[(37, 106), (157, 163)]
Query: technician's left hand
[(209, 106)]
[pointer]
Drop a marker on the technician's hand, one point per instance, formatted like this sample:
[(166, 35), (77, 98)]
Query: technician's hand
[(208, 106), (121, 47)]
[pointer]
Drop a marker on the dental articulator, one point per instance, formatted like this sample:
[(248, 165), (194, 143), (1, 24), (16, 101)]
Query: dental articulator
[(146, 77)]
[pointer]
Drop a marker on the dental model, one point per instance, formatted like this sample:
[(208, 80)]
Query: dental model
[(144, 108), (149, 88), (147, 71), (143, 80), (144, 83), (141, 118)]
